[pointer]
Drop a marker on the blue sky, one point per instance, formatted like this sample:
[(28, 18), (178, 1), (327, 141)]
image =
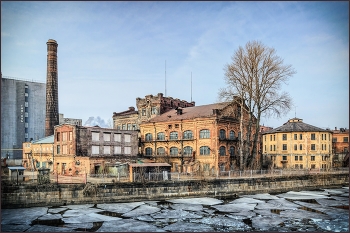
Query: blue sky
[(110, 53)]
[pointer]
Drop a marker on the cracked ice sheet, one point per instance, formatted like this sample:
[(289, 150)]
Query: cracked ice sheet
[(141, 210), (241, 215), (263, 223), (175, 214), (189, 227), (302, 214), (336, 191), (262, 196), (332, 212), (78, 212), (325, 193), (280, 204), (238, 207), (14, 228), (16, 216), (199, 201), (300, 195), (223, 221), (128, 225), (44, 228), (246, 200), (337, 225), (50, 217), (328, 202), (192, 207), (56, 210), (77, 207), (121, 208)]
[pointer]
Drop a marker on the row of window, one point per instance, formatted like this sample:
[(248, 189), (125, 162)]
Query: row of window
[(284, 147), (300, 158), (95, 150), (345, 139), (203, 150), (188, 134), (117, 137), (66, 136), (295, 137), (127, 127)]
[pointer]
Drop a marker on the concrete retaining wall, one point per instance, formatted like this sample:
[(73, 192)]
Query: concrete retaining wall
[(67, 194)]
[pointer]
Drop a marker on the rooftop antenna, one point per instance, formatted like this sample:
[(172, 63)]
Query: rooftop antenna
[(191, 86), (165, 79)]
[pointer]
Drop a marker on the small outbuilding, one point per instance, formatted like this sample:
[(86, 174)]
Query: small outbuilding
[(140, 172), (16, 173)]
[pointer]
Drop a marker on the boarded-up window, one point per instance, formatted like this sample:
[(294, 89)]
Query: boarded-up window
[(107, 137), (95, 136), (95, 150), (127, 150), (107, 150), (117, 150), (127, 137), (64, 149), (117, 137), (64, 137)]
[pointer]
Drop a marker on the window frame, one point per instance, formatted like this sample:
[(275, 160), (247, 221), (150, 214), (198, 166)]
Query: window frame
[(204, 134)]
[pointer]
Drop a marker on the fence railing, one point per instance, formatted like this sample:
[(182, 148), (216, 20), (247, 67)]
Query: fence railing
[(174, 176)]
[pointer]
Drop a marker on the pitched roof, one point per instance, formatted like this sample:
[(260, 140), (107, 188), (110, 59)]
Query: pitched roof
[(48, 139), (295, 125), (189, 113)]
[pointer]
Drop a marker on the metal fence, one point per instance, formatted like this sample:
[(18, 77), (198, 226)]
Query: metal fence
[(30, 176)]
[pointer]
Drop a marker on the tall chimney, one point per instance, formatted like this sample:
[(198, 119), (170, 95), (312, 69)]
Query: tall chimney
[(52, 115)]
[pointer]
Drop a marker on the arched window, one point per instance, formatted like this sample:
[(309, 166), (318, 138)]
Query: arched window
[(187, 150), (148, 151), (188, 134), (222, 150), (173, 135), (204, 133), (160, 136), (160, 151), (148, 137), (232, 151), (222, 134), (232, 134), (204, 150), (174, 151)]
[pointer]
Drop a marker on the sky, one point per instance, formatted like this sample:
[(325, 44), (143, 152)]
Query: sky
[(110, 53)]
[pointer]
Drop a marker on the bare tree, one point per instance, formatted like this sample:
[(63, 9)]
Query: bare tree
[(254, 80)]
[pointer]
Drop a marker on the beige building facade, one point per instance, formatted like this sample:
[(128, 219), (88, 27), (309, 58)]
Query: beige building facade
[(297, 145)]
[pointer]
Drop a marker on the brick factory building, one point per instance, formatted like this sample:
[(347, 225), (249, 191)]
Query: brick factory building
[(340, 147)]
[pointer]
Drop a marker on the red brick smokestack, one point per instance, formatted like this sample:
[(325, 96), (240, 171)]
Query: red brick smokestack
[(52, 115)]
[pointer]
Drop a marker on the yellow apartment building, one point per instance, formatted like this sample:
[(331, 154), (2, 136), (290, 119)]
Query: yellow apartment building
[(296, 144)]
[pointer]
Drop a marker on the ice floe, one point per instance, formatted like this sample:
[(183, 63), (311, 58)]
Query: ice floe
[(128, 225), (246, 200), (235, 207), (23, 216), (301, 195), (191, 207), (199, 201), (175, 214), (264, 223), (262, 196), (141, 210), (120, 207), (188, 227)]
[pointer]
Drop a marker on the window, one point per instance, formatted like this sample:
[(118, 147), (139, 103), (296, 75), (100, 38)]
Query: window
[(174, 151), (64, 136), (70, 136), (143, 112), (232, 151), (346, 139), (154, 110), (188, 134), (284, 137), (300, 136), (300, 147), (127, 150), (313, 137), (313, 166), (107, 137), (232, 135), (123, 126), (148, 137), (134, 127), (58, 136), (25, 104), (270, 137), (106, 150), (270, 147), (127, 137), (301, 158), (274, 137), (334, 140), (129, 126), (301, 166), (312, 158), (169, 126), (284, 157), (58, 149), (222, 151), (296, 166), (312, 146), (64, 149), (95, 150), (160, 136), (176, 126), (322, 136), (295, 136), (296, 158), (25, 114), (148, 151), (284, 147), (204, 133), (117, 137), (95, 136), (204, 150), (265, 148), (222, 134), (117, 150), (173, 135), (160, 151), (187, 150), (274, 147), (118, 127)]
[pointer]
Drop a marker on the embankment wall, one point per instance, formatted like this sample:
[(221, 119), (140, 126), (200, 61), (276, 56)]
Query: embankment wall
[(30, 195)]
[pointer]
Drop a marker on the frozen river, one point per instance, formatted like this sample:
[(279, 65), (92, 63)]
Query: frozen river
[(322, 210)]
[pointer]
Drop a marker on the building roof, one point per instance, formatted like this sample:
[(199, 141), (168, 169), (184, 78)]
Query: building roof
[(149, 165), (48, 139), (295, 125), (189, 113), (131, 111)]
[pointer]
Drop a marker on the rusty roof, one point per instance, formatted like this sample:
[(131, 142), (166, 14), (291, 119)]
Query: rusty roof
[(295, 125), (189, 113)]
